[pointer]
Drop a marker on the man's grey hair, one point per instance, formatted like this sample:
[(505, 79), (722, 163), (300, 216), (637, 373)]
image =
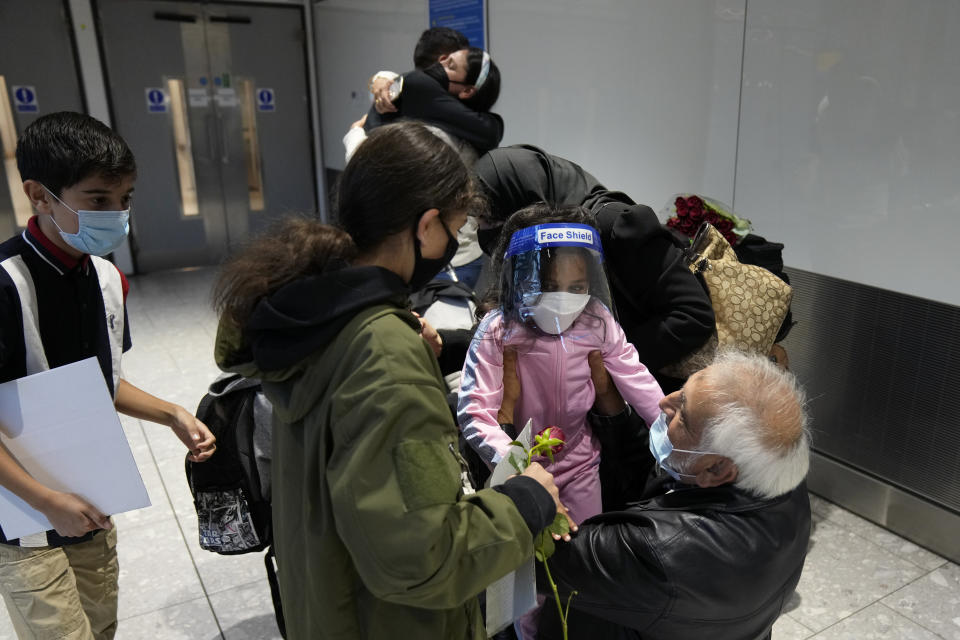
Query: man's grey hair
[(759, 421)]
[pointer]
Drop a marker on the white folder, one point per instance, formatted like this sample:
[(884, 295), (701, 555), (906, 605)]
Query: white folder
[(62, 427)]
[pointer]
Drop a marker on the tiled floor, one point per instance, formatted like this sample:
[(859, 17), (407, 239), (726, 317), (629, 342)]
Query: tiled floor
[(860, 581)]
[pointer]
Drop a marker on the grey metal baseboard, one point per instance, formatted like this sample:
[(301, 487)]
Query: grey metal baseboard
[(914, 518), (882, 374)]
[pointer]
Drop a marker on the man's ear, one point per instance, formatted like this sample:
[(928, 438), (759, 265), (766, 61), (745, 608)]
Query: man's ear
[(469, 92), (39, 197), (423, 225), (723, 471)]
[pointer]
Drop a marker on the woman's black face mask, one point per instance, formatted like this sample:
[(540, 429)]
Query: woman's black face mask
[(425, 269)]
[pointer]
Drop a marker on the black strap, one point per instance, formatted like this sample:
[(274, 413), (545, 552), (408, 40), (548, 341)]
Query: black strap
[(268, 560)]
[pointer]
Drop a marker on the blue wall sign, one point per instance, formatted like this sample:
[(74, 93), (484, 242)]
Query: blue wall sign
[(25, 99), (469, 17), (266, 100), (156, 100)]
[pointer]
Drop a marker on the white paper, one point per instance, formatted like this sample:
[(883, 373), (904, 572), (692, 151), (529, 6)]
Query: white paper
[(199, 97), (515, 593), (62, 427)]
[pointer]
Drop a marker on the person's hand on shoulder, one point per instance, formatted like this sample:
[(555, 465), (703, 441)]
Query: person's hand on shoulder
[(194, 434), (380, 88)]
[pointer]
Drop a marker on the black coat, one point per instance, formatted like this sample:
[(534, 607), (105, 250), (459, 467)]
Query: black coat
[(692, 563), (664, 310), (424, 99)]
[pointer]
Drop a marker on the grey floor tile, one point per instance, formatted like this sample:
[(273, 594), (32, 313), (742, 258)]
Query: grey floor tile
[(932, 601), (192, 620), (786, 628), (876, 622), (880, 536), (822, 507), (221, 573), (246, 613), (159, 509), (174, 478), (845, 573), (156, 570)]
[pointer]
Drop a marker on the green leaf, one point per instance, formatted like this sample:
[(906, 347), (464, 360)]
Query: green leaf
[(560, 526), (544, 546), (517, 443), (515, 464)]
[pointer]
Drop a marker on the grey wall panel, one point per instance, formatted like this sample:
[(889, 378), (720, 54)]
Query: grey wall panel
[(881, 371), (849, 138)]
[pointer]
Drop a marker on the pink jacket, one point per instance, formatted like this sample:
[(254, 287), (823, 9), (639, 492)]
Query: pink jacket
[(556, 388)]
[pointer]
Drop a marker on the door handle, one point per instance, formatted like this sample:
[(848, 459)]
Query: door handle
[(224, 150), (208, 120)]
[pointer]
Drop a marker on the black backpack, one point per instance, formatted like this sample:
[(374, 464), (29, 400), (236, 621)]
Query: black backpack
[(231, 490)]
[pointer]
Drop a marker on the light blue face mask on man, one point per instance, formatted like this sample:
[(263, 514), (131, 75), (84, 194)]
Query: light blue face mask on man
[(661, 448), (99, 233)]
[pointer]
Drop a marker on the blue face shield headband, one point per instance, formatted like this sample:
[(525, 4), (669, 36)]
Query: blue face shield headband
[(99, 232)]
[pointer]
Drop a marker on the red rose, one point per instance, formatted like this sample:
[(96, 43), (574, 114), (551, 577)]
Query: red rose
[(711, 217), (555, 432), (679, 202), (673, 223), (695, 202), (724, 225)]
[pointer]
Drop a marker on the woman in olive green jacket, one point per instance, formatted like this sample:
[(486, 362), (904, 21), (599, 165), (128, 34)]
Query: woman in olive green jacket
[(378, 533)]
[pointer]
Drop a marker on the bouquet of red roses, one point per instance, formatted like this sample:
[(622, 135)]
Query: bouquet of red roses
[(686, 212)]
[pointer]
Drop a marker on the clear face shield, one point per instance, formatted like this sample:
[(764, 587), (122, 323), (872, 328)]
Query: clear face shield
[(554, 279)]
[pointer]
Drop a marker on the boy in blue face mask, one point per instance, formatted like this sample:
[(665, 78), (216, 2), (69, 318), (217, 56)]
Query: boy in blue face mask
[(61, 302)]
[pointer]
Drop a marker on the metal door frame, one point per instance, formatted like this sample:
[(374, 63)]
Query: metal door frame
[(89, 59)]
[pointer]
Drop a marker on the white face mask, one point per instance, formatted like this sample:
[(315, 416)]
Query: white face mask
[(557, 310)]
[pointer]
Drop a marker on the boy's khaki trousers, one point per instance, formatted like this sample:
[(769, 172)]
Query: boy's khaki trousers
[(66, 592)]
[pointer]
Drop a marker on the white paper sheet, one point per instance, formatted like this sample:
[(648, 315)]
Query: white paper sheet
[(515, 593), (62, 427)]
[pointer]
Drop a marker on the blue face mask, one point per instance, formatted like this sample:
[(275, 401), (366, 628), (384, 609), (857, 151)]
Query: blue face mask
[(661, 448), (99, 233)]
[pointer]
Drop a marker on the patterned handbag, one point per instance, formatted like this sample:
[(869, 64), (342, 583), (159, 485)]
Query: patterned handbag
[(749, 302)]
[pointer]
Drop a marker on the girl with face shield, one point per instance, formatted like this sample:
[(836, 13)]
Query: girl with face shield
[(553, 308)]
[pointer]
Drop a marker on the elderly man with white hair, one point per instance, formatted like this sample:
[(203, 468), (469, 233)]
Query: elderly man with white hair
[(714, 545)]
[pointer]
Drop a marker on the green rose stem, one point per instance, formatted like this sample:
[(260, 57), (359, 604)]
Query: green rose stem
[(545, 547)]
